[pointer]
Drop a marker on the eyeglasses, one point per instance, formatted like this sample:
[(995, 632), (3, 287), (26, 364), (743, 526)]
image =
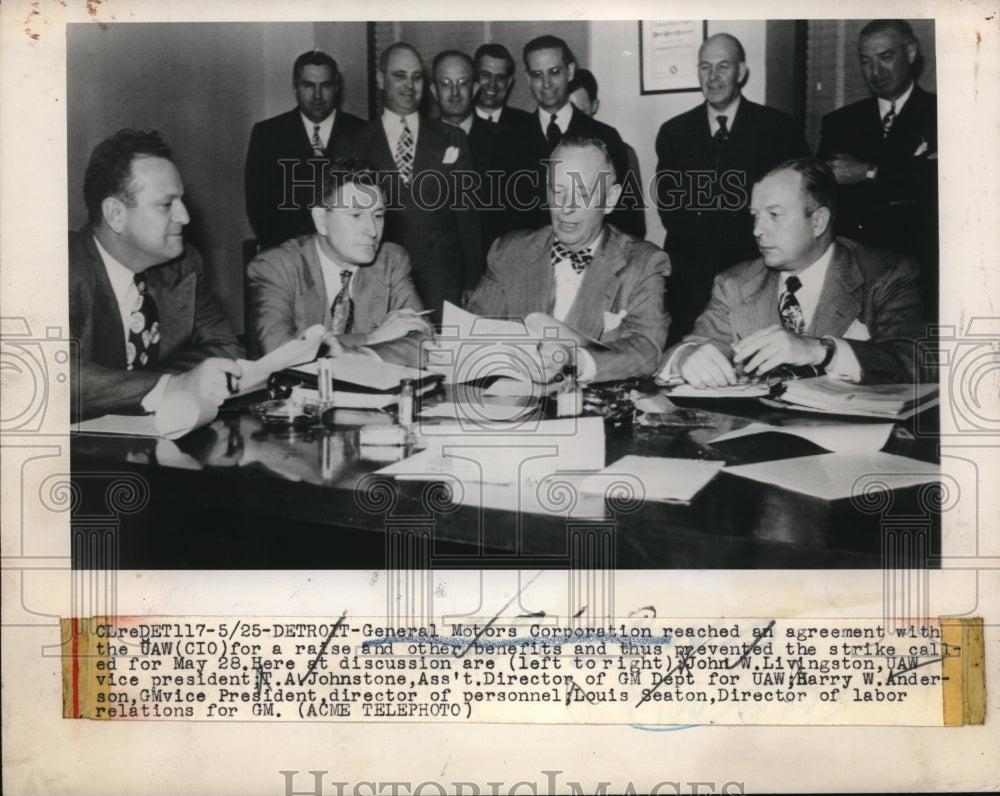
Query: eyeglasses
[(446, 84)]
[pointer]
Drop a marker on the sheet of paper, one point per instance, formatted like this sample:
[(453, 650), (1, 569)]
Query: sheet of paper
[(366, 371), (837, 437), (129, 425), (827, 393), (301, 349), (653, 478), (832, 476), (737, 391), (468, 324)]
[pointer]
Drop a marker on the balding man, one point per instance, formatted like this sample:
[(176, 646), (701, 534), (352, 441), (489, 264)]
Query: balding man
[(707, 160)]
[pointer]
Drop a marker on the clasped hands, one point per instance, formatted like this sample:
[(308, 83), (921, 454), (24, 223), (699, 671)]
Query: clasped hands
[(705, 365)]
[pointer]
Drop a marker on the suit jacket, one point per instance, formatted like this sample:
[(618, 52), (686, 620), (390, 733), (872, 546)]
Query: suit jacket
[(284, 137), (706, 217), (898, 211), (288, 294), (192, 328), (527, 147), (875, 287), (441, 232), (513, 118), (625, 279)]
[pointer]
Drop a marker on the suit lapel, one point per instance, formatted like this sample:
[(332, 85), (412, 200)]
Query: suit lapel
[(429, 147), (315, 301), (759, 308), (370, 292), (537, 280), (108, 333), (599, 287), (839, 301)]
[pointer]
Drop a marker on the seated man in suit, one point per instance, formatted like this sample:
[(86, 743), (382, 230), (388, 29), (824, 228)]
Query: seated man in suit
[(140, 307), (281, 184), (422, 165), (581, 275), (809, 299), (342, 276), (883, 152)]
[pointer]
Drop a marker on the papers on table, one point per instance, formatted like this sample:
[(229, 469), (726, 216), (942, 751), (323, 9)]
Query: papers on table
[(840, 437), (302, 349), (832, 476), (130, 425), (652, 478), (748, 390), (365, 371), (823, 394)]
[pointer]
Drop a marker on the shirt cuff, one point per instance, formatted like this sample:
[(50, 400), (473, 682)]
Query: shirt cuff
[(669, 370), (586, 368), (845, 365), (155, 396)]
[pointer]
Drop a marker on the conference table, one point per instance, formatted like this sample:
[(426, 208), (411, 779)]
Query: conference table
[(242, 494)]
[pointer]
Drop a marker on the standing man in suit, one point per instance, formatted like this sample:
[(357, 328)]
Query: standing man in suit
[(707, 160), (581, 275), (140, 307), (423, 164), (494, 68), (809, 299), (551, 66), (281, 176), (342, 276), (883, 152)]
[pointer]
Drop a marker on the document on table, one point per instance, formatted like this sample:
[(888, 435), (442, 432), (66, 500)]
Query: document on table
[(653, 478), (366, 371), (128, 425), (832, 476), (748, 390), (837, 437)]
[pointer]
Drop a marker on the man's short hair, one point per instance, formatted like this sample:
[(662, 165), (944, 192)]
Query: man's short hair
[(818, 184), (584, 78), (383, 59), (741, 54), (452, 54), (109, 170), (549, 43), (494, 50), (312, 58), (900, 26), (343, 171), (585, 142)]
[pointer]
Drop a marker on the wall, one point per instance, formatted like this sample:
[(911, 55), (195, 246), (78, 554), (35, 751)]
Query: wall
[(614, 49), (202, 86)]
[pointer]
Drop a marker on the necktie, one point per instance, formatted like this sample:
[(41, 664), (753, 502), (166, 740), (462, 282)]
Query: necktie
[(342, 309), (404, 152), (720, 138), (888, 119), (790, 310), (579, 260), (143, 329), (317, 142), (490, 118), (552, 132)]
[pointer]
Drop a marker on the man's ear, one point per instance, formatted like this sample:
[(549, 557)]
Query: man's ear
[(380, 80), (612, 198), (594, 106), (571, 70), (911, 52), (742, 73), (820, 220), (319, 219), (434, 92), (114, 211)]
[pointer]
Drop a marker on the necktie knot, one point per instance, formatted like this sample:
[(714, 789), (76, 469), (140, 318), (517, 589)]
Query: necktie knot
[(792, 284), (579, 260), (722, 119), (317, 142)]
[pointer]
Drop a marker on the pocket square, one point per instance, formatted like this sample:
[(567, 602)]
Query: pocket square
[(450, 155), (857, 331), (612, 320)]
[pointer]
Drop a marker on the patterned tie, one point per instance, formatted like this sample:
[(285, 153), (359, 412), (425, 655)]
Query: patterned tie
[(317, 142), (888, 119), (143, 329), (404, 152), (342, 309), (552, 132), (579, 260), (789, 309), (720, 138)]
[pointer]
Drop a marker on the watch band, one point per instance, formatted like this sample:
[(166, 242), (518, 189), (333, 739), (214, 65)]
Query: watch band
[(831, 350)]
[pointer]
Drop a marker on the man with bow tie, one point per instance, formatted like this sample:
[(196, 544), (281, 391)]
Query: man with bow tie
[(600, 288), (140, 307), (809, 299)]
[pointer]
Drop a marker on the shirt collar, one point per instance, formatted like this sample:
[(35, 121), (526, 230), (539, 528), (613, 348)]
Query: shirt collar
[(466, 124), (590, 248), (325, 126), (485, 115), (563, 117), (328, 264), (900, 101), (729, 112), (813, 275)]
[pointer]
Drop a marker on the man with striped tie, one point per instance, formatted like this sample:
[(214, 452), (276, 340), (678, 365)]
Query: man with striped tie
[(809, 299)]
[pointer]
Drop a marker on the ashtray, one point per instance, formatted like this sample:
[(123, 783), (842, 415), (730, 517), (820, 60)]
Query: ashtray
[(282, 414)]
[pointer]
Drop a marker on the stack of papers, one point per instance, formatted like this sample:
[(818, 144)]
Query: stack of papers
[(363, 382), (823, 394)]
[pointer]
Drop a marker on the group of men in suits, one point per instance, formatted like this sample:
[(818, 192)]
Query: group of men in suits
[(390, 227)]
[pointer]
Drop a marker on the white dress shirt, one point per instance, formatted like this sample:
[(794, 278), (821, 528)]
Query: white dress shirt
[(393, 126), (567, 285), (884, 105), (729, 112), (325, 127), (563, 117), (331, 275), (488, 116)]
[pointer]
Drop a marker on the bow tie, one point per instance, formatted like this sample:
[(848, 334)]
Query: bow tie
[(579, 260)]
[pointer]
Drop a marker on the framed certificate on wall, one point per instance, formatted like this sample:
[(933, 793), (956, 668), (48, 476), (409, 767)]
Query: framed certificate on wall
[(669, 55)]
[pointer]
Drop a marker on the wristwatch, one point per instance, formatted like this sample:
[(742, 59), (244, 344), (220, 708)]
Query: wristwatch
[(872, 172), (831, 350)]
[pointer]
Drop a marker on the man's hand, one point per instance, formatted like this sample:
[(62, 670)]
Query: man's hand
[(206, 380), (848, 170), (554, 356), (768, 348), (705, 366), (398, 323)]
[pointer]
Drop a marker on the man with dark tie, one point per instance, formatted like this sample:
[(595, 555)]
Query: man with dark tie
[(342, 276), (140, 308), (707, 160), (281, 182), (423, 164), (494, 69), (883, 152), (551, 65), (808, 299), (602, 289)]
